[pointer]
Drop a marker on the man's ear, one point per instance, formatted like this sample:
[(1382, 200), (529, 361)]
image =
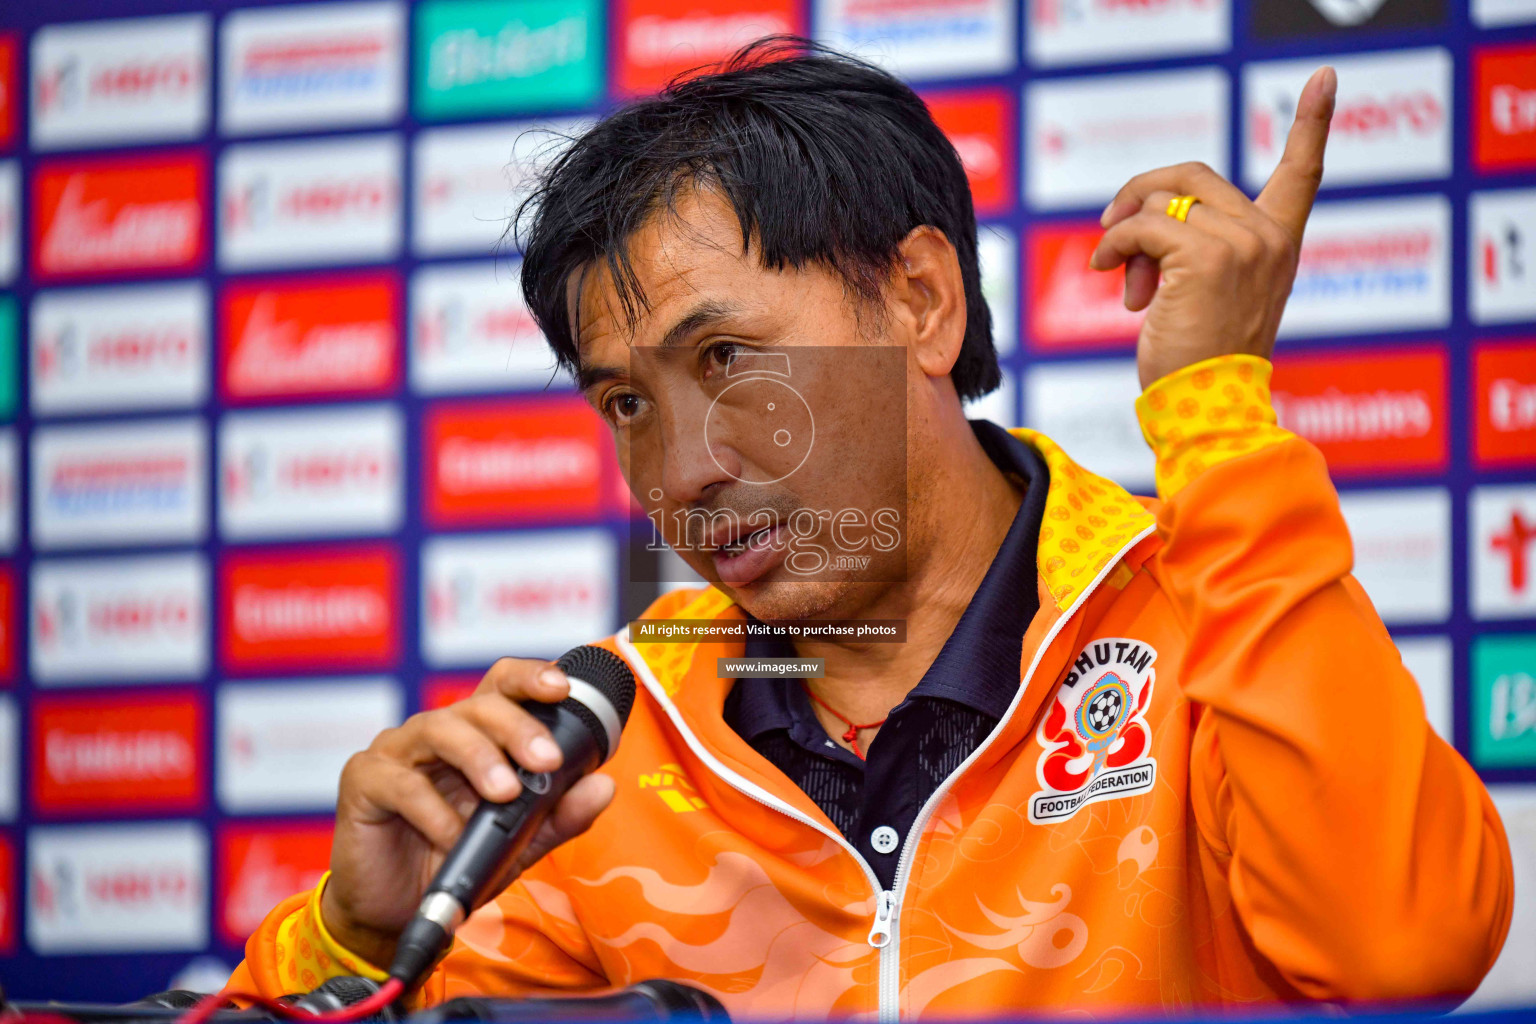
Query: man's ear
[(929, 298)]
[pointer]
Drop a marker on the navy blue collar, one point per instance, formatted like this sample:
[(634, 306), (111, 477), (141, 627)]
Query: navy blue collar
[(978, 666)]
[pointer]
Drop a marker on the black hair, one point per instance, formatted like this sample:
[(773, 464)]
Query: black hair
[(825, 159)]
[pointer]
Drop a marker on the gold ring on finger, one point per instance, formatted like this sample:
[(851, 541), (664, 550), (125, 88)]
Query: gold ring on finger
[(1179, 206)]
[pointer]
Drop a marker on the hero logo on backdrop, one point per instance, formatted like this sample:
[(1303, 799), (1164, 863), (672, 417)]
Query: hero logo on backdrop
[(470, 181), (311, 202), (1096, 743), (10, 220), (528, 593), (1502, 263), (919, 39), (112, 888), (320, 472), (310, 336), (327, 606), (319, 65), (1391, 121), (282, 744), (115, 215), (1094, 404), (1062, 32), (105, 349), (119, 619), (1373, 265), (1087, 136), (470, 331), (138, 79), (1369, 413), (137, 483), (1402, 549), (1504, 382), (1503, 542), (1071, 305)]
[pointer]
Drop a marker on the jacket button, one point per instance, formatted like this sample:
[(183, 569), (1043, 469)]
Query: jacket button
[(884, 839)]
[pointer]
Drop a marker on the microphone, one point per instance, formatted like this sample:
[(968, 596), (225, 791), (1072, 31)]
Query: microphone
[(585, 726)]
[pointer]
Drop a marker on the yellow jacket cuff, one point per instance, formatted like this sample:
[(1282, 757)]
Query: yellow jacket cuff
[(1205, 414), (308, 955)]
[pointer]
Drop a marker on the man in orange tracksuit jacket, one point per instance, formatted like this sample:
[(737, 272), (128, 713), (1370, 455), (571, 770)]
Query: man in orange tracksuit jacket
[(1212, 785)]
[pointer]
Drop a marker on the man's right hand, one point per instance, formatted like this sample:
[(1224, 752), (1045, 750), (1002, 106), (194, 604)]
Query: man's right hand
[(404, 801)]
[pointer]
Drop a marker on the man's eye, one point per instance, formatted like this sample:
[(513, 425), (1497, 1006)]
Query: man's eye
[(622, 407), (721, 355)]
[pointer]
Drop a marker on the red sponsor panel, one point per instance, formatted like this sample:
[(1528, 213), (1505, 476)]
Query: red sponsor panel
[(262, 863), (656, 40), (1369, 413), (440, 691), (1504, 113), (319, 607), (7, 625), (513, 460), (1069, 305), (119, 215), (10, 97), (310, 337), (1504, 382), (979, 123), (10, 899), (115, 753)]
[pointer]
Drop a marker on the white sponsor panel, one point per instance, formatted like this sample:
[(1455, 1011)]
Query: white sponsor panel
[(471, 332), (997, 250), (1391, 122), (10, 489), (1061, 32), (282, 745), (117, 888), (529, 593), (1428, 659), (1502, 534), (1085, 137), (470, 181), (115, 484), (1089, 408), (325, 471), (111, 349), (10, 758), (1491, 14), (114, 620), (307, 203), (1511, 984), (1502, 263), (1000, 406), (1373, 265), (307, 66), (1402, 544), (924, 38), (10, 220), (127, 80)]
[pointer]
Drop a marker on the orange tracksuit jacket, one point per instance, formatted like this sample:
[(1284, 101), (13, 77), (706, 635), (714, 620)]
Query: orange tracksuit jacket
[(1215, 786)]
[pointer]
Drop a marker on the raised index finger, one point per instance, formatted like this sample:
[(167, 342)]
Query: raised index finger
[(1288, 195)]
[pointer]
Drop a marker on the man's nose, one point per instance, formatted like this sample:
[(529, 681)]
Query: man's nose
[(693, 464)]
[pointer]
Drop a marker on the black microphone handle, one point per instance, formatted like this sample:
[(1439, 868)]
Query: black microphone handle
[(495, 836)]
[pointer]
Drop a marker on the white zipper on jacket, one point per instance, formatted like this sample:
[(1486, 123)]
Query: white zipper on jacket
[(885, 933)]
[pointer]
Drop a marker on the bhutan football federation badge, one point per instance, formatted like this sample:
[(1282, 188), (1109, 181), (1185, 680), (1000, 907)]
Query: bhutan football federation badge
[(1095, 735)]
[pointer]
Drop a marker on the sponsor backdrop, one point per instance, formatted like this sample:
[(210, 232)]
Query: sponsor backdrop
[(283, 458)]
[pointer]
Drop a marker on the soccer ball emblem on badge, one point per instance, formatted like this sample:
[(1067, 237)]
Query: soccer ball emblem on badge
[(1100, 715)]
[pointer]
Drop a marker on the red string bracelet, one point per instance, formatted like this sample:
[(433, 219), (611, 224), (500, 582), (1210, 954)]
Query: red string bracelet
[(851, 737)]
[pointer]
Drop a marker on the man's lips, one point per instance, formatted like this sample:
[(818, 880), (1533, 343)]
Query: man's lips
[(749, 557)]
